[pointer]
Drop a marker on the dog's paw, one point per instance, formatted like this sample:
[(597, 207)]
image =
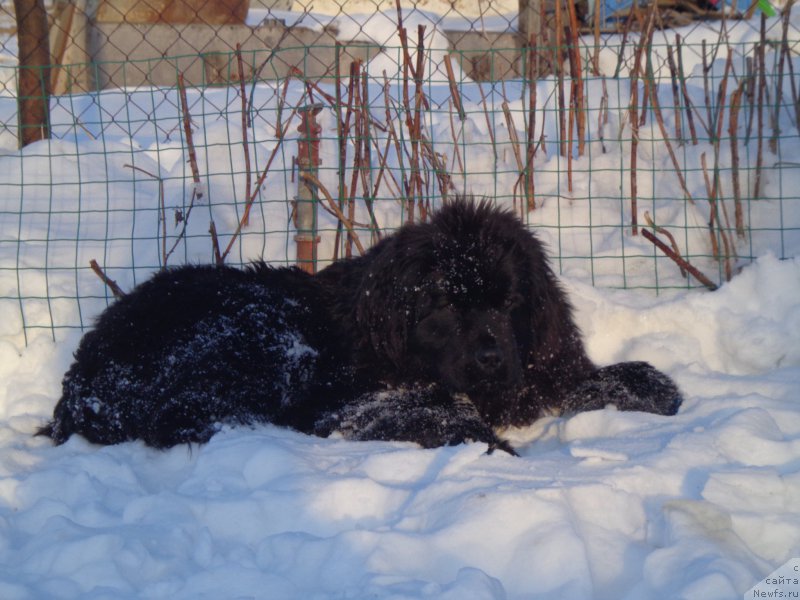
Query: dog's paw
[(427, 415), (628, 386)]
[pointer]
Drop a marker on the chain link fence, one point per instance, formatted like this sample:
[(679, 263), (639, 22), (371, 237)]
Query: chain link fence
[(645, 156), (98, 44)]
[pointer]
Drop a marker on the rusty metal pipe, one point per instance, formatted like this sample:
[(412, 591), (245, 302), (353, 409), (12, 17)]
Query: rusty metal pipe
[(308, 161)]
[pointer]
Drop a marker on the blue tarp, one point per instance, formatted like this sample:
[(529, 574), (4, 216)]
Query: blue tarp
[(619, 8)]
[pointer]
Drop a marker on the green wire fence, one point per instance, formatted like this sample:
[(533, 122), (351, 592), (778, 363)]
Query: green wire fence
[(672, 170)]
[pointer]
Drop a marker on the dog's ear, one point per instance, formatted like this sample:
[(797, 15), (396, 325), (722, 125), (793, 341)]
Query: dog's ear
[(555, 338), (387, 299)]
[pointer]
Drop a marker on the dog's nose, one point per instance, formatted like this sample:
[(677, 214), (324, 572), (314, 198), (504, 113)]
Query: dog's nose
[(488, 359)]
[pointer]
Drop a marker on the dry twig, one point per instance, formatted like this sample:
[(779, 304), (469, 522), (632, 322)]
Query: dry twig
[(668, 235), (187, 129), (680, 261), (112, 285), (245, 124), (348, 223)]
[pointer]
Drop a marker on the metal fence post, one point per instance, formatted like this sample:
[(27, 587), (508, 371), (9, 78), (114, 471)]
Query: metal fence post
[(308, 162)]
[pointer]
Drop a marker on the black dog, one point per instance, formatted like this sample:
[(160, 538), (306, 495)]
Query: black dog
[(440, 334)]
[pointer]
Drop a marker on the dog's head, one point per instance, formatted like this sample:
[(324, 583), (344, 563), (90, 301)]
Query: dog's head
[(467, 300)]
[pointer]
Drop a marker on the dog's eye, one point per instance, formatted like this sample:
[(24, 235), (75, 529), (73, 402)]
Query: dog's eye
[(431, 303), (514, 300), (435, 330), (440, 302)]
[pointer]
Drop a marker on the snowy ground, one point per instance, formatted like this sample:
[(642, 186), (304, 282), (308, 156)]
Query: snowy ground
[(599, 505), (603, 505)]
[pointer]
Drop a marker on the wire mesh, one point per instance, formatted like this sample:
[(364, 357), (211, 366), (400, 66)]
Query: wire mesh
[(135, 176)]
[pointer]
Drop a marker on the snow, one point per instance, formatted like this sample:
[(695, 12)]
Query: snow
[(599, 505), (606, 504)]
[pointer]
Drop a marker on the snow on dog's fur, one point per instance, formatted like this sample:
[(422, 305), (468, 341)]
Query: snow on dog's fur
[(441, 333)]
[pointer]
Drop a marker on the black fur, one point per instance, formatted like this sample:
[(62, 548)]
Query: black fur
[(197, 346), (441, 333)]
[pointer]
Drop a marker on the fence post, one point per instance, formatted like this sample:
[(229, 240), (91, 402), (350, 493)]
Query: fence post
[(69, 45), (33, 89), (308, 162), (529, 19)]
